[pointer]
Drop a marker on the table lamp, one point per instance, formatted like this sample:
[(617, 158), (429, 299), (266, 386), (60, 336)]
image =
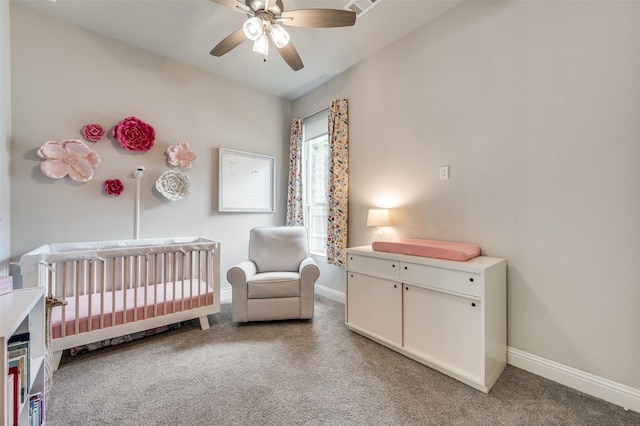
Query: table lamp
[(378, 218)]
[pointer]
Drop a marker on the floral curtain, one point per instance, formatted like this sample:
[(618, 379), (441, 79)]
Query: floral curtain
[(295, 207), (338, 201)]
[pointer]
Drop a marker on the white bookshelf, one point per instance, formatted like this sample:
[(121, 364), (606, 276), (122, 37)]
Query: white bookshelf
[(22, 311)]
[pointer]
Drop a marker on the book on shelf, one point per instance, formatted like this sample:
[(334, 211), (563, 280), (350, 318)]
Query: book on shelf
[(18, 353), (15, 391), (22, 337), (36, 409), (19, 364), (18, 359), (10, 397)]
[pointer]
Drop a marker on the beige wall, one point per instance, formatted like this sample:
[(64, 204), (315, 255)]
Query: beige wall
[(5, 138), (534, 106), (66, 77)]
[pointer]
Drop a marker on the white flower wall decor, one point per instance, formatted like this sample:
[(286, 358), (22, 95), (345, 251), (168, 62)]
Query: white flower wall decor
[(173, 185)]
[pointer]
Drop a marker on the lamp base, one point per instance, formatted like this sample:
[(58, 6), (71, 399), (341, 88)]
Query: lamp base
[(379, 234)]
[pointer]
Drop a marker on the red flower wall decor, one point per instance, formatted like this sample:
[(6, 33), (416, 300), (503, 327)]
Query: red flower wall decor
[(134, 134), (113, 187), (93, 132)]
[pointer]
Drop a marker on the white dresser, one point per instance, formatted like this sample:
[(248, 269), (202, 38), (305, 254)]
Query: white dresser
[(448, 315)]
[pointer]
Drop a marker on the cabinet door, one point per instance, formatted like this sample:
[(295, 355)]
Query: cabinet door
[(374, 305), (444, 329)]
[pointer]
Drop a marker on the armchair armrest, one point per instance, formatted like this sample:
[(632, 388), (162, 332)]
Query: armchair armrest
[(241, 273), (309, 270), (309, 273), (237, 277)]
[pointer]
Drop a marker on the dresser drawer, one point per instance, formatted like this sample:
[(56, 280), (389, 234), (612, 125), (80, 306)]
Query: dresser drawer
[(446, 279), (378, 267)]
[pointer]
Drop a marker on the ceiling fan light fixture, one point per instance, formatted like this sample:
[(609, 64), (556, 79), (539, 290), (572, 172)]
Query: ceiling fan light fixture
[(279, 36), (261, 26), (261, 45), (252, 28)]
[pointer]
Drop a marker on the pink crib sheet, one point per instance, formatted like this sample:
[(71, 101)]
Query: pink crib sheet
[(196, 294), (429, 248)]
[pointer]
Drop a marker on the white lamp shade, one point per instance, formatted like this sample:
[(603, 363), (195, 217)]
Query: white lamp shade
[(279, 36), (252, 28), (378, 217), (261, 45)]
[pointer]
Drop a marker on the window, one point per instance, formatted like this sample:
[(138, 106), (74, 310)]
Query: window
[(315, 168)]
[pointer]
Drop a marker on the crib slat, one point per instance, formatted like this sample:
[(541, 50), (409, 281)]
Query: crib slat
[(135, 282), (50, 274), (103, 282), (174, 266), (172, 281), (146, 285), (199, 269), (164, 281), (87, 278), (182, 292), (126, 283), (64, 294), (208, 275), (190, 263), (205, 271), (155, 280), (212, 273), (113, 291), (77, 293)]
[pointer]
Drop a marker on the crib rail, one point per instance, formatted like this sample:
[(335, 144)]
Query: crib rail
[(109, 284), (129, 287)]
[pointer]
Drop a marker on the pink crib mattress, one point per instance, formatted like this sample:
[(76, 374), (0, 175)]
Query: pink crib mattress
[(429, 248), (158, 302)]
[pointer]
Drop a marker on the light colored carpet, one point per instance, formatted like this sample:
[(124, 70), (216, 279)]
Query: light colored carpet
[(313, 372)]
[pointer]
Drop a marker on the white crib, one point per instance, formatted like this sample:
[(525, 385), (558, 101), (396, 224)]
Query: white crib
[(114, 288)]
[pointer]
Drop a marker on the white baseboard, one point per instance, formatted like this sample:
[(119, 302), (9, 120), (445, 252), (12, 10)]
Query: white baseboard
[(616, 393), (330, 293), (225, 295), (605, 389)]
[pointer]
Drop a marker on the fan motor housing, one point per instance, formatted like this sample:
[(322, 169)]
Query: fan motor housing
[(257, 5)]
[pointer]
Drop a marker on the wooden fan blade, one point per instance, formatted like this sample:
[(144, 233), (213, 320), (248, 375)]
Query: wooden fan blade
[(291, 57), (318, 18), (232, 41), (233, 4)]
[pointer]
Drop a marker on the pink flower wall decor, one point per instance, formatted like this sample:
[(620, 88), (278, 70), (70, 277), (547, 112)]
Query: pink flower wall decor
[(180, 155), (93, 132), (70, 157), (134, 135), (113, 187)]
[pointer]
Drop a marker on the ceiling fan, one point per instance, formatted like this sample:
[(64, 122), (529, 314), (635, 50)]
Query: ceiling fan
[(264, 19)]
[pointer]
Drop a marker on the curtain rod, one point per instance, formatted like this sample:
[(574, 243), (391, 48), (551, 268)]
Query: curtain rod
[(315, 112)]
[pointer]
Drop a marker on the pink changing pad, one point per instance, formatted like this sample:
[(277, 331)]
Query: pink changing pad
[(429, 248)]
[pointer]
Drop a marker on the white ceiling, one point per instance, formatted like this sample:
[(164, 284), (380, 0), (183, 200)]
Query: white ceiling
[(186, 30)]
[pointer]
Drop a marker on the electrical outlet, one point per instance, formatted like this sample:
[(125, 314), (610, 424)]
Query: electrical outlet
[(444, 172)]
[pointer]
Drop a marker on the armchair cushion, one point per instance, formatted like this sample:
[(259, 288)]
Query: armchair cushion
[(278, 248), (274, 284)]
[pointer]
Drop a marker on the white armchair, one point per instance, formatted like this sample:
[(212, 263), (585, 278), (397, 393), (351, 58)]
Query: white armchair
[(278, 280)]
